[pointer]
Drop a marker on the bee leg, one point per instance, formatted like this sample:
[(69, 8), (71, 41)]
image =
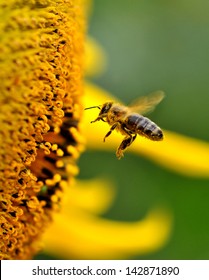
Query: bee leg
[(129, 133), (134, 137), (110, 131), (124, 144), (99, 118), (128, 140)]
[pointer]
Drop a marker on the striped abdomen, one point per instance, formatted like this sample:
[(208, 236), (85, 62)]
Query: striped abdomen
[(143, 126)]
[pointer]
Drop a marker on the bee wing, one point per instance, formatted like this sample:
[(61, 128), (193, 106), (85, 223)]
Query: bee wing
[(145, 104)]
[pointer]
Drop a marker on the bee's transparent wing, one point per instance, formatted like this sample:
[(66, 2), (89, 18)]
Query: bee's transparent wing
[(145, 104)]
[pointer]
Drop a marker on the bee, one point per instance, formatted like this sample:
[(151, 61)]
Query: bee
[(129, 121)]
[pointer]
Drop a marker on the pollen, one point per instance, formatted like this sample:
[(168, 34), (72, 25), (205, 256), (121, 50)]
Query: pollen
[(41, 70), (60, 152), (73, 151)]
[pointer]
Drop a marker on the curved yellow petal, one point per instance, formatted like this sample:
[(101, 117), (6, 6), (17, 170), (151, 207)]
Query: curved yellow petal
[(84, 236), (95, 58), (93, 196), (78, 233), (106, 239), (182, 154)]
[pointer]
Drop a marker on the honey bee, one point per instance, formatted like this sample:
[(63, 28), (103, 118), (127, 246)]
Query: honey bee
[(129, 121)]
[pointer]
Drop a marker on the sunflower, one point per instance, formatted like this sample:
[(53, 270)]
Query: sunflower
[(41, 57)]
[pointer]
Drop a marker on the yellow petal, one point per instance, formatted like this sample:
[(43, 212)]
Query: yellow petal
[(176, 152), (95, 58), (179, 153), (84, 236), (93, 196), (77, 233)]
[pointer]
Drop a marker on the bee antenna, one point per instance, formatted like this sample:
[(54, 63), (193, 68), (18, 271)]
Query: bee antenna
[(93, 107)]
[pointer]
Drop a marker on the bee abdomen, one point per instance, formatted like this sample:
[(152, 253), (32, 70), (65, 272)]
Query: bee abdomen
[(144, 126)]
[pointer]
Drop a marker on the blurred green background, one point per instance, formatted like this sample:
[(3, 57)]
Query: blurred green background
[(155, 45)]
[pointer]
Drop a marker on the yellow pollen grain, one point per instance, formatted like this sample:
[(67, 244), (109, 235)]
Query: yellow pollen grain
[(59, 152), (77, 135), (55, 198), (56, 178), (59, 163), (54, 147), (72, 169), (33, 203), (45, 148), (73, 151), (63, 184)]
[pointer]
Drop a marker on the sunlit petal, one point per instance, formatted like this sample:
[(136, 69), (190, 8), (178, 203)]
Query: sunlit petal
[(77, 233), (95, 58), (93, 196)]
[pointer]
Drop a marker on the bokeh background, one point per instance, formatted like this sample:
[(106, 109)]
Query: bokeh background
[(156, 45), (153, 45)]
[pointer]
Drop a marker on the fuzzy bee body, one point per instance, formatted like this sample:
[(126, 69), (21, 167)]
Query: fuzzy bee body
[(128, 122)]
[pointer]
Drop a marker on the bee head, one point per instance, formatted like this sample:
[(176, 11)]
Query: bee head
[(105, 107)]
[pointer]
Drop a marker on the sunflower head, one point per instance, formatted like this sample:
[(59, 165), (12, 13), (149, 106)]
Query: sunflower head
[(41, 61)]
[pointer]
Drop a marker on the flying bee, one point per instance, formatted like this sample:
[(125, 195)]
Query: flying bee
[(129, 121)]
